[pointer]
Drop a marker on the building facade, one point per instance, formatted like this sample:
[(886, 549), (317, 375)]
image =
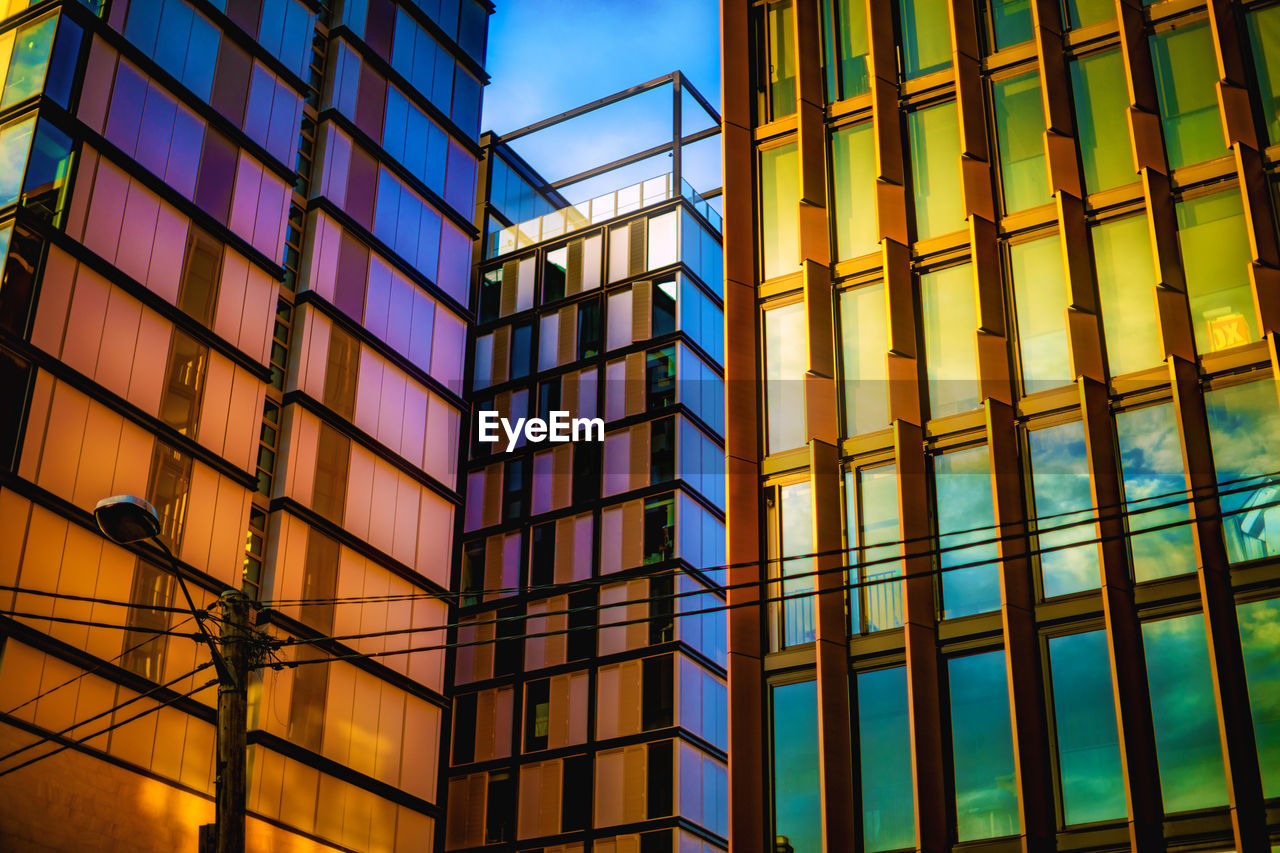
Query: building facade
[(1002, 424), (236, 242), (588, 713)]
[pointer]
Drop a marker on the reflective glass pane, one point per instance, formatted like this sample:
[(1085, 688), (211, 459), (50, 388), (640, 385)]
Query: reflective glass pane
[(1126, 293), (950, 333), (784, 369), (877, 536), (926, 36), (1019, 134), (797, 810), (796, 526), (1264, 36), (935, 170), (1010, 22), (15, 143), (864, 348), (1154, 493), (1215, 258), (29, 61), (1244, 428), (851, 47), (962, 483), (1260, 642), (781, 73), (1188, 751), (1186, 83), (779, 210), (1040, 298), (1082, 13), (1102, 127), (1085, 724), (1061, 499), (982, 747), (884, 753), (853, 167)]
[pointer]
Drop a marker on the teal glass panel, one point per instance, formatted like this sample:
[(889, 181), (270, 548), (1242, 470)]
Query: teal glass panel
[(935, 170), (884, 756), (15, 144), (1019, 117), (1040, 301), (876, 537), (982, 747), (780, 76), (848, 74), (853, 170), (5, 233), (1260, 642), (1154, 493), (1102, 125), (1060, 488), (780, 210), (29, 61), (784, 364), (1244, 430), (797, 542), (926, 36), (1085, 724), (1082, 13), (797, 808), (1215, 259), (950, 336), (1011, 22), (864, 349), (1188, 751), (1126, 293), (1264, 38), (962, 484), (1186, 84)]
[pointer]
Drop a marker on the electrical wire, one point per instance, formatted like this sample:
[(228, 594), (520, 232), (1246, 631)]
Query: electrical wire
[(67, 620), (158, 608)]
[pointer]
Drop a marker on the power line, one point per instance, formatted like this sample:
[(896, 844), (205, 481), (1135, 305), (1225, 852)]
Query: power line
[(159, 608), (165, 632)]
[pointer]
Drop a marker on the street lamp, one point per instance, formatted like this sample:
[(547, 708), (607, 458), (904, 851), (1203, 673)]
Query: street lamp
[(126, 519)]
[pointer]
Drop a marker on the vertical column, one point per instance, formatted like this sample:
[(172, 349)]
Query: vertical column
[(748, 805), (1235, 725), (677, 132), (831, 650)]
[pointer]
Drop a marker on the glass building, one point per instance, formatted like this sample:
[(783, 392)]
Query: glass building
[(236, 243), (588, 713), (1002, 509)]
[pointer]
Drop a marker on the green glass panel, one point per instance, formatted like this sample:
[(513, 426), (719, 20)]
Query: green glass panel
[(29, 62), (847, 72), (784, 366), (1186, 84), (853, 166), (1040, 299), (1082, 13), (780, 210), (781, 73), (1183, 713), (797, 542), (926, 36), (1062, 496), (1260, 642), (1011, 22), (950, 335), (1264, 37), (982, 747), (1085, 725), (1215, 259), (935, 170), (884, 754), (1019, 136), (1244, 431), (864, 348), (877, 537), (15, 144), (797, 807), (1154, 484), (962, 483), (1126, 292), (1102, 128)]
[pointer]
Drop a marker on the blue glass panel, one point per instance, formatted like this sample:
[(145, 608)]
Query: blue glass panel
[(797, 810), (1244, 427), (884, 747), (965, 515), (175, 27), (982, 747), (202, 56), (1154, 484), (143, 23), (1060, 488)]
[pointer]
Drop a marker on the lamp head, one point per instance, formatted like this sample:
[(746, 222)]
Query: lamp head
[(125, 518)]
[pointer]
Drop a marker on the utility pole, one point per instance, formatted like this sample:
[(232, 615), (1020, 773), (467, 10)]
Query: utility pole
[(233, 724)]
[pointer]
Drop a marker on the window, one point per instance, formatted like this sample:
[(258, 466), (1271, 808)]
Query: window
[(542, 555), (1187, 85), (950, 340), (662, 450), (966, 515), (1019, 117), (660, 378), (792, 533), (926, 36), (198, 290), (537, 714), (1264, 37), (152, 594), (663, 295), (1188, 752), (1082, 13), (1061, 498), (797, 810), (864, 353), (490, 305), (333, 450), (935, 170), (464, 727), (871, 496), (499, 824), (319, 580), (24, 58), (659, 529), (341, 373), (1011, 23), (472, 591), (15, 143), (1154, 492), (168, 491), (1102, 128), (1260, 643), (183, 383), (522, 348), (784, 369), (779, 210), (777, 88), (1244, 429), (846, 52), (657, 694), (582, 640), (589, 329), (982, 747), (1040, 303), (1215, 258), (1126, 293), (513, 490), (46, 185), (1088, 742), (853, 164), (884, 753)]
